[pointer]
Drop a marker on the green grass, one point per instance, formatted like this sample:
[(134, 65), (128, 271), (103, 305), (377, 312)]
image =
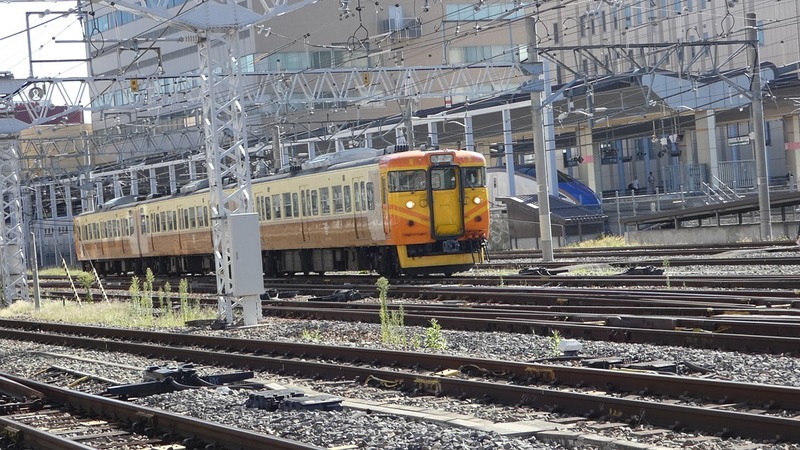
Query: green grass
[(602, 242), (114, 314)]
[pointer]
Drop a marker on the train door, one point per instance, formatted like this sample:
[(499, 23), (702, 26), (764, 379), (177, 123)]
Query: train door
[(360, 208), (446, 205), (305, 210)]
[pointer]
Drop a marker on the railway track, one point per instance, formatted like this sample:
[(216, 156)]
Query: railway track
[(757, 285), (49, 417), (676, 402), (648, 250)]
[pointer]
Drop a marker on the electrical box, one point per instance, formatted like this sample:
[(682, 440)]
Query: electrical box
[(247, 274)]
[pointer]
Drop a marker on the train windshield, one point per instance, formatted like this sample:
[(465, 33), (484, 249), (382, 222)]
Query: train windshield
[(443, 178), (474, 177), (407, 180)]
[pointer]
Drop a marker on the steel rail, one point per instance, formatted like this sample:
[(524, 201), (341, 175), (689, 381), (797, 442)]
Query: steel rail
[(684, 338), (740, 312), (37, 439), (590, 405), (714, 390), (227, 436)]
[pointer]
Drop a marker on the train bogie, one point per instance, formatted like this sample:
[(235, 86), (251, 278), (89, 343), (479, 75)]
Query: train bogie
[(413, 213)]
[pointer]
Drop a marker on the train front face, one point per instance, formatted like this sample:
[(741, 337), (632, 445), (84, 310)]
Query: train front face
[(436, 210)]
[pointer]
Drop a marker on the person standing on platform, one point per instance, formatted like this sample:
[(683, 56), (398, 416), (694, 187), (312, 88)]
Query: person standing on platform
[(651, 182)]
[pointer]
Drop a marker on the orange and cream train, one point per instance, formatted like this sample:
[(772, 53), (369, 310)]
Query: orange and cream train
[(413, 212)]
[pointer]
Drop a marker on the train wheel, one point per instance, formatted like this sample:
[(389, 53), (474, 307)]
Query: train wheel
[(388, 265)]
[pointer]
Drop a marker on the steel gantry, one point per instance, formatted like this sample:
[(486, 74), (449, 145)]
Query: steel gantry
[(12, 239), (215, 26)]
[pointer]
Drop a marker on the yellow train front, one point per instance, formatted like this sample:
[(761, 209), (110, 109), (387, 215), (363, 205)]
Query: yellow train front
[(436, 213)]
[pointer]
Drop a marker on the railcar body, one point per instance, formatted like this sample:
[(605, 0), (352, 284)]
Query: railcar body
[(412, 212)]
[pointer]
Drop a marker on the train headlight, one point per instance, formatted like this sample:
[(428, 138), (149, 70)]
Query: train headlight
[(476, 200), (410, 204)]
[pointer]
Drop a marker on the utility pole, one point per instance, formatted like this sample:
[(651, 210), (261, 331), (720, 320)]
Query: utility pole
[(757, 117), (536, 88)]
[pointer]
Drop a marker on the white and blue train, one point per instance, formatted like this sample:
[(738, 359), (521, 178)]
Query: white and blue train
[(570, 190)]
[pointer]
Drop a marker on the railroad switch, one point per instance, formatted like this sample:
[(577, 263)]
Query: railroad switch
[(541, 271), (657, 366), (272, 294), (342, 295), (643, 270), (602, 363), (160, 380), (292, 399)]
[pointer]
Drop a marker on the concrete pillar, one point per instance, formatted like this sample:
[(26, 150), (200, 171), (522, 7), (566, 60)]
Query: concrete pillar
[(707, 152), (117, 187), (134, 181), (192, 170), (100, 198), (508, 148), (153, 181), (469, 137), (592, 160), (433, 135), (792, 146), (173, 179), (312, 151)]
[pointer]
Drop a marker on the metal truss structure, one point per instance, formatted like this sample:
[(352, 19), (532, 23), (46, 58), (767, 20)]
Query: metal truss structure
[(215, 27), (12, 240)]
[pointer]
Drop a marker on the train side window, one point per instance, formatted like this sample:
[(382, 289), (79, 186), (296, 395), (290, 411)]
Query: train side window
[(287, 205), (262, 214), (185, 219), (348, 202), (324, 200), (304, 202), (192, 218), (295, 207), (370, 196), (314, 202), (276, 206), (164, 226), (363, 195), (406, 180), (267, 209), (205, 216), (355, 196), (474, 177), (338, 204), (174, 220), (200, 221)]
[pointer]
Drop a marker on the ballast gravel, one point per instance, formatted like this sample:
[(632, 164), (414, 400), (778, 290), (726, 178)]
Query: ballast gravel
[(363, 429)]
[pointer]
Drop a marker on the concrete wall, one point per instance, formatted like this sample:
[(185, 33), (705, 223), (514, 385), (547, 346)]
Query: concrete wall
[(711, 235)]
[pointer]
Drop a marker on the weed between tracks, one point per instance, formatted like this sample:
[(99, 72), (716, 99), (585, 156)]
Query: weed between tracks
[(139, 312)]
